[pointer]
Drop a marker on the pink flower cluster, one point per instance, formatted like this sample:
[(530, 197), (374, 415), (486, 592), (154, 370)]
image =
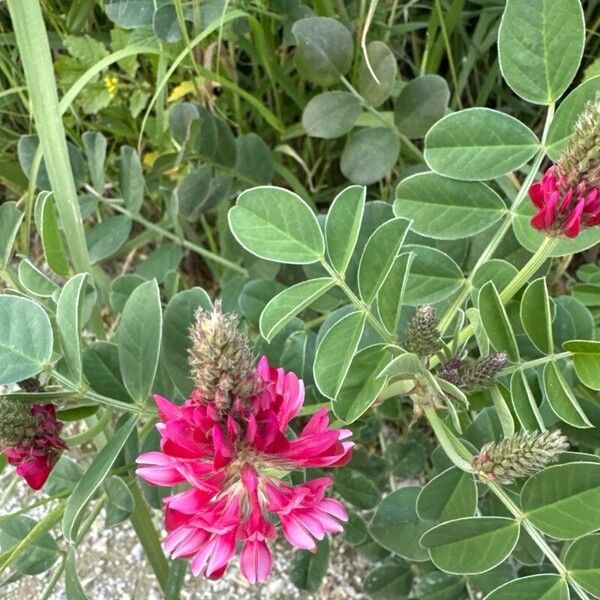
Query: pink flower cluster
[(564, 209), (37, 452), (235, 465)]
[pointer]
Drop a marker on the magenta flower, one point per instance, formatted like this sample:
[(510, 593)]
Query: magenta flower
[(36, 453), (234, 465), (563, 208)]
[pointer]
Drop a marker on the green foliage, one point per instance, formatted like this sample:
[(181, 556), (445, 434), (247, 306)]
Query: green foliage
[(319, 168)]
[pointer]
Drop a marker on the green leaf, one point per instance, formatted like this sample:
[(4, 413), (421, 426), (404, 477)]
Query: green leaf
[(355, 529), (276, 224), (255, 295), (139, 339), (307, 569), (478, 143), (94, 145), (389, 582), (421, 103), (94, 477), (73, 588), (447, 209), (562, 399), (544, 586), (390, 298), (437, 585), (101, 369), (583, 563), (179, 317), (536, 316), (330, 114), (324, 51), (561, 128), (105, 238), (360, 387), (379, 255), (450, 495), (356, 488), (563, 501), (287, 304), (63, 477), (531, 239), (471, 545), (433, 276), (34, 281), (586, 359), (68, 321), (345, 215), (121, 288), (131, 179), (540, 45), (120, 501), (496, 323), (369, 154), (397, 527), (335, 352), (10, 221), (160, 262), (41, 553), (524, 403), (383, 64), (254, 159), (130, 14), (25, 339), (47, 225)]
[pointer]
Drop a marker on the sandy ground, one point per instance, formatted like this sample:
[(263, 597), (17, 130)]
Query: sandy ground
[(111, 565)]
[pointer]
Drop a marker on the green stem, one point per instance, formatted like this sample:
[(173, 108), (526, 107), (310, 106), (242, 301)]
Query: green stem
[(461, 457), (141, 519), (34, 49), (413, 150), (358, 303), (532, 265), (171, 236), (87, 393), (503, 229), (531, 364)]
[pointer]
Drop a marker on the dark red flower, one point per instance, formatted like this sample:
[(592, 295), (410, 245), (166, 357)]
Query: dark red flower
[(36, 453)]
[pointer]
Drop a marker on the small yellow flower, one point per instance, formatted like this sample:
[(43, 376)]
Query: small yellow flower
[(112, 84)]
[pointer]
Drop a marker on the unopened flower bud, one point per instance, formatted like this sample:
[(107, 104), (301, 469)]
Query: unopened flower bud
[(221, 359), (568, 196), (423, 335), (16, 422), (481, 373), (450, 371), (520, 455)]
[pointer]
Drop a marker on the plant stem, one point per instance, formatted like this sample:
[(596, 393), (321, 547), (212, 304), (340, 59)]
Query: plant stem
[(532, 265), (413, 150), (171, 236), (141, 519), (504, 227), (461, 457), (34, 50), (87, 393), (358, 303), (531, 364)]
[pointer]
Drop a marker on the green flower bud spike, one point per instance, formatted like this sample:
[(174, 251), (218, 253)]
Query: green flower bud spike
[(16, 422), (423, 335), (221, 359), (520, 455)]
